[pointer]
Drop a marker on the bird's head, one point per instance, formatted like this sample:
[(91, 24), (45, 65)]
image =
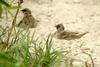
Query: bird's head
[(60, 27), (26, 11)]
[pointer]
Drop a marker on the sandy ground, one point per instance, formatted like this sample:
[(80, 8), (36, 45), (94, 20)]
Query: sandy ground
[(75, 17)]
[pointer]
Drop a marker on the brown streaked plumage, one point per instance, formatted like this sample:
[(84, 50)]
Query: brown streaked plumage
[(28, 20), (67, 35)]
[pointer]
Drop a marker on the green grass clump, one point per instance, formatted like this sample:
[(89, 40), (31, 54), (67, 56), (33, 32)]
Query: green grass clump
[(18, 54)]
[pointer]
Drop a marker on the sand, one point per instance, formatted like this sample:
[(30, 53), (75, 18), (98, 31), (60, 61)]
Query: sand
[(75, 16)]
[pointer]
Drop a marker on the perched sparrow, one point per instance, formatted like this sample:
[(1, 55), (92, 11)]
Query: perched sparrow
[(68, 35), (28, 20)]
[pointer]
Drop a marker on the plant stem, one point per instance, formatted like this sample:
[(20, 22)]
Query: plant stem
[(13, 26), (92, 62)]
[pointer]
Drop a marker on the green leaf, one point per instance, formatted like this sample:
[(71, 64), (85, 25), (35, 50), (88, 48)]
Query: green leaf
[(13, 7), (5, 3), (5, 57), (1, 10)]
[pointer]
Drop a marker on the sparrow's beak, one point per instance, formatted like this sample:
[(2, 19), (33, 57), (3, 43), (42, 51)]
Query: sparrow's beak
[(55, 26), (21, 10)]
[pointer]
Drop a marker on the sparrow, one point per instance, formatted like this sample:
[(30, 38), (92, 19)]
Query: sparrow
[(61, 33), (28, 20)]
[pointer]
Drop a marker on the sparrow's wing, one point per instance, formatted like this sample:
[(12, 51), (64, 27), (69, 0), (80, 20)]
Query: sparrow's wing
[(33, 22)]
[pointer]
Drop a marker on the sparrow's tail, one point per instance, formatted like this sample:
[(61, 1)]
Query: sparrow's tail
[(80, 35)]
